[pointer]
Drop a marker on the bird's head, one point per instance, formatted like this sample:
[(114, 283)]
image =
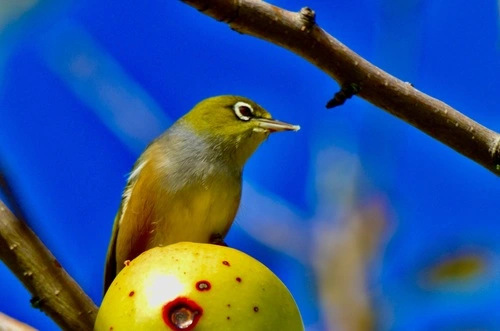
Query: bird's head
[(234, 125)]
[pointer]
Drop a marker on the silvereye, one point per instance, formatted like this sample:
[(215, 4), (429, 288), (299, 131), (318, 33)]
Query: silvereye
[(186, 186)]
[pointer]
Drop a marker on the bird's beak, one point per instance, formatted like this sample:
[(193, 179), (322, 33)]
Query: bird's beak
[(271, 125)]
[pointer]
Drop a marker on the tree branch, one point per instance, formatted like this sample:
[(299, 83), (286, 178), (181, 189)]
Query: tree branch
[(54, 291), (11, 324), (299, 33), (10, 196)]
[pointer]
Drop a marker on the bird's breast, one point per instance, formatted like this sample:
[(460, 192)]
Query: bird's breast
[(202, 206)]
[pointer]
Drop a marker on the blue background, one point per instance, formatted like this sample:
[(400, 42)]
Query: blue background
[(85, 85)]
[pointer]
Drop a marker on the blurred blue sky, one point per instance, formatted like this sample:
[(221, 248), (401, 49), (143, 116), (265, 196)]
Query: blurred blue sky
[(85, 85)]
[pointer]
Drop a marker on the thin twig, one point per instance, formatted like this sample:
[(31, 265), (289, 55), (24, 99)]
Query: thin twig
[(298, 32), (54, 291)]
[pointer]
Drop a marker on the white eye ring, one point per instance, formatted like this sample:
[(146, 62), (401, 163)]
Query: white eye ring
[(243, 110)]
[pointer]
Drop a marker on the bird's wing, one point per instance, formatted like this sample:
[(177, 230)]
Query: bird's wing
[(110, 270)]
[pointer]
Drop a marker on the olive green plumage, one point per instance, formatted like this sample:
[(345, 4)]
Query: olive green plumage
[(186, 186)]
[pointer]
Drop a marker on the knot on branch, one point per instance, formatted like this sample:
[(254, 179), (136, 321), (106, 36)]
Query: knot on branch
[(495, 153), (308, 18), (37, 302), (346, 92)]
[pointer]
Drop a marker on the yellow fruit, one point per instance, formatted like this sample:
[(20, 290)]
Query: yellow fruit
[(192, 286)]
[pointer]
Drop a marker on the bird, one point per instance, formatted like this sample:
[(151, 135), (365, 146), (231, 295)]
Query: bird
[(186, 185)]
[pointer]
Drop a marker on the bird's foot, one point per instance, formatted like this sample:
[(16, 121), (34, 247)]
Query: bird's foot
[(217, 239)]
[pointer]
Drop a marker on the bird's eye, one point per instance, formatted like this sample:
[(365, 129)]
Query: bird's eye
[(243, 110)]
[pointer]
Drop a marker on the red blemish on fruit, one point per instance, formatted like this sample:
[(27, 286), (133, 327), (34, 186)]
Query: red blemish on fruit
[(238, 279), (203, 285), (226, 263), (131, 294), (256, 309), (110, 328), (229, 305), (57, 264), (181, 314), (126, 263)]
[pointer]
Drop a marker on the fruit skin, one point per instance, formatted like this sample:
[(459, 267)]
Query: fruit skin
[(225, 288)]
